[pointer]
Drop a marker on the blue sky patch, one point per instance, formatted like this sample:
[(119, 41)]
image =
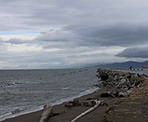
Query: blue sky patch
[(26, 32)]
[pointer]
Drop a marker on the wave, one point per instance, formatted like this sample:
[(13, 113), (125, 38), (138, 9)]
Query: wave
[(7, 83), (21, 111)]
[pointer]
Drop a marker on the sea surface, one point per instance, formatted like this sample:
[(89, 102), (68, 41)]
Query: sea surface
[(23, 91)]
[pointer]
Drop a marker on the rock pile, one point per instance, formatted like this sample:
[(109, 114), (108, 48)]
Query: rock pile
[(120, 83)]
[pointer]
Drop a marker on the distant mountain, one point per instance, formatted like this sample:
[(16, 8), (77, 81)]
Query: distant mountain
[(123, 65)]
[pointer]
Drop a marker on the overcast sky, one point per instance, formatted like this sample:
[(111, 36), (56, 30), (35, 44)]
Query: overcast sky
[(72, 33)]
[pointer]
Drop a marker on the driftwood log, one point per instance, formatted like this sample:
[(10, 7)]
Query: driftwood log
[(87, 111), (47, 112)]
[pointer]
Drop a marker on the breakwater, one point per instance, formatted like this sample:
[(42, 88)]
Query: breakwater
[(119, 83)]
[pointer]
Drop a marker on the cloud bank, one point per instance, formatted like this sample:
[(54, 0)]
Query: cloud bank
[(135, 52), (72, 33)]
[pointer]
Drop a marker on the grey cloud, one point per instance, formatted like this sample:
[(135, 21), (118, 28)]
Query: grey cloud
[(85, 25), (32, 14), (120, 35), (135, 52), (96, 36), (16, 41)]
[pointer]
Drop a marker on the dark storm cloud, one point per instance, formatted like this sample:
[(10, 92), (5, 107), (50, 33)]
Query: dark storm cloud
[(115, 35), (135, 52)]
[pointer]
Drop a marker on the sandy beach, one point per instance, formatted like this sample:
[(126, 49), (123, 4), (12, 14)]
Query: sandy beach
[(131, 108), (67, 114)]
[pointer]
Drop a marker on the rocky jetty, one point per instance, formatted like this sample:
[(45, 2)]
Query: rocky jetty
[(119, 84)]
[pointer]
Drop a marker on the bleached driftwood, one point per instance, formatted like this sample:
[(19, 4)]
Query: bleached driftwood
[(47, 111), (87, 111)]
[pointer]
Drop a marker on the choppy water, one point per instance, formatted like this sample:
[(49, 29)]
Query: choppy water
[(27, 90)]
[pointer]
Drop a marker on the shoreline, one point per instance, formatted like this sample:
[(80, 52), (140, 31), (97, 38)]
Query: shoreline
[(39, 108), (114, 108), (38, 112)]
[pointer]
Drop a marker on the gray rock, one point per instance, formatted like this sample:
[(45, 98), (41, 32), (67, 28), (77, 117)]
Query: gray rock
[(121, 82)]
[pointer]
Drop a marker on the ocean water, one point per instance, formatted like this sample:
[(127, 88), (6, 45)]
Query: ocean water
[(23, 91)]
